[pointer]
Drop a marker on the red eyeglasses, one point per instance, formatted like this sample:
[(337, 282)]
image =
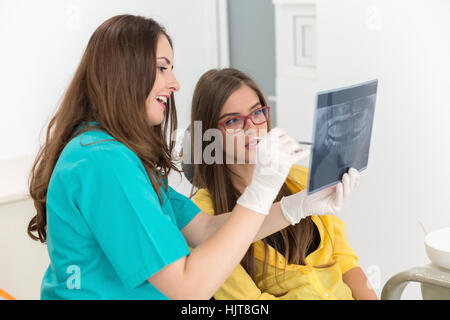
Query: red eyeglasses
[(236, 124)]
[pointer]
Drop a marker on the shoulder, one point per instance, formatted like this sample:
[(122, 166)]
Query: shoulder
[(99, 144), (297, 179), (204, 201), (97, 152), (335, 222), (332, 223)]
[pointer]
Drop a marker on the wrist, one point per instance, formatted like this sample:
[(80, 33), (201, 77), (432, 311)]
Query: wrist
[(292, 207), (257, 198)]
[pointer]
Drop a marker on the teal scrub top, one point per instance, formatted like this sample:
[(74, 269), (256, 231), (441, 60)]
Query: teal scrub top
[(107, 231)]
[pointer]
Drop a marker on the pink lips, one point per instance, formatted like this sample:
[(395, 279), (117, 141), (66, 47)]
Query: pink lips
[(162, 104), (252, 144)]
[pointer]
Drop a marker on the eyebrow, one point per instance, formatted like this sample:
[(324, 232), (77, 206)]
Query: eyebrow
[(164, 58), (238, 114)]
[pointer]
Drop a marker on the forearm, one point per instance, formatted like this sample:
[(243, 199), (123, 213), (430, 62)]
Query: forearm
[(211, 263), (359, 284), (274, 222)]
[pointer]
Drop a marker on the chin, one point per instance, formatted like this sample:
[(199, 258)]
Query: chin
[(250, 160), (156, 120)]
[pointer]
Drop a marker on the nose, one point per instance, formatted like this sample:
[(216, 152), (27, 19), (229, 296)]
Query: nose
[(252, 129), (173, 83)]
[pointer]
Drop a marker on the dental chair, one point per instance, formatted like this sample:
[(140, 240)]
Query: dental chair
[(434, 282), (434, 278)]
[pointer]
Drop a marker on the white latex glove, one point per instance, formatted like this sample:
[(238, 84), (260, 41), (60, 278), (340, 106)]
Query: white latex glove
[(327, 201), (275, 154)]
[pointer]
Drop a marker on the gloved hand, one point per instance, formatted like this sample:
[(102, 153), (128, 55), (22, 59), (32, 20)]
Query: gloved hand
[(328, 201), (275, 154)]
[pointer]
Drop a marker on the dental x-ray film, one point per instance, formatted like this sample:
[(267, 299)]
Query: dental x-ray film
[(343, 122)]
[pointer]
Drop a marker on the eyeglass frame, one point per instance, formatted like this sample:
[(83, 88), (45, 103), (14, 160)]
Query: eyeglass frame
[(222, 123)]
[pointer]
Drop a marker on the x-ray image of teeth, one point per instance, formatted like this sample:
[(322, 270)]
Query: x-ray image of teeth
[(342, 132)]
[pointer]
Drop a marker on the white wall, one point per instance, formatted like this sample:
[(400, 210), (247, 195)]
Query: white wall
[(22, 261), (405, 44), (42, 43)]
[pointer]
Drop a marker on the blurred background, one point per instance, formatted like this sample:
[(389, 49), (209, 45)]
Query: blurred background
[(293, 49)]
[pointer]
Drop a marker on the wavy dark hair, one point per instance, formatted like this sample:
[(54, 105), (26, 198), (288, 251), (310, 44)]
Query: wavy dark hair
[(116, 73)]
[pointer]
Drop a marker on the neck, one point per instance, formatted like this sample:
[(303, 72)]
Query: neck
[(242, 177)]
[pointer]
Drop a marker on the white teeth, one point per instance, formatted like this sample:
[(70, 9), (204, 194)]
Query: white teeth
[(162, 99)]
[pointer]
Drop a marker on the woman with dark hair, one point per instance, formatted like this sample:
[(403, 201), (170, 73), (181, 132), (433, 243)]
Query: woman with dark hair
[(308, 260), (113, 227)]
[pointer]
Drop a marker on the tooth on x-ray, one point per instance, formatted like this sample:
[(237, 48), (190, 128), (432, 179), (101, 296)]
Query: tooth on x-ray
[(343, 123)]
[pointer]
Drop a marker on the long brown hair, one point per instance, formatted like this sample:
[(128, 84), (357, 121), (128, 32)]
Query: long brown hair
[(110, 86), (211, 93)]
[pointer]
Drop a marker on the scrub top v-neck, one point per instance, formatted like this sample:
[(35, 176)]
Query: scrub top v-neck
[(107, 230)]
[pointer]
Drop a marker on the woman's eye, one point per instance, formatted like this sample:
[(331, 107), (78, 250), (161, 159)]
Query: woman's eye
[(258, 112), (230, 122), (162, 69)]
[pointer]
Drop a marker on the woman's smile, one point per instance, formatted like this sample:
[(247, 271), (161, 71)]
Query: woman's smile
[(163, 100), (252, 144)]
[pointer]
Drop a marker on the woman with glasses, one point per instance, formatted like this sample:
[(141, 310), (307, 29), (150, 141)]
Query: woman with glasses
[(307, 260)]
